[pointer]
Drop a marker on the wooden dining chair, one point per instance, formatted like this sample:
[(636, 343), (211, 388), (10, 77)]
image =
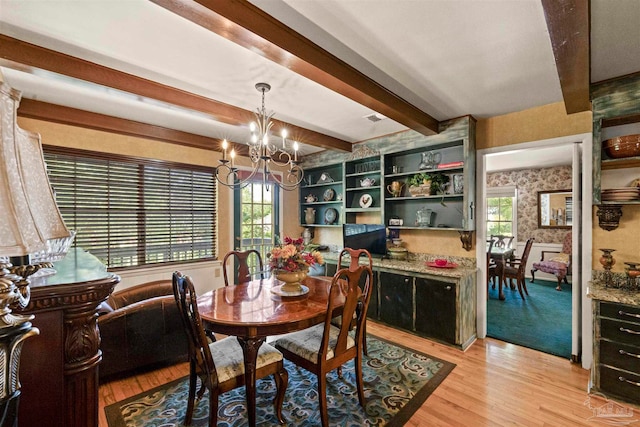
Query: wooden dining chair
[(325, 347), (491, 266), (243, 258), (354, 263), (220, 364), (516, 268), (502, 241)]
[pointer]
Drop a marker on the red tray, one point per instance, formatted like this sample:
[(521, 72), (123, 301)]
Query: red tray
[(447, 265)]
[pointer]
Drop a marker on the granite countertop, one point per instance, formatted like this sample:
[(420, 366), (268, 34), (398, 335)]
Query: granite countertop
[(416, 264), (598, 291)]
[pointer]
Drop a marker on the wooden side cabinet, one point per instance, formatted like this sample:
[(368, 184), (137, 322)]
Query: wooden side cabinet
[(436, 309), (617, 351), (396, 299), (59, 367), (429, 305)]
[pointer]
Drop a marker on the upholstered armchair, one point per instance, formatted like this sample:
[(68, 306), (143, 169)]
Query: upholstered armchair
[(140, 328), (559, 264)]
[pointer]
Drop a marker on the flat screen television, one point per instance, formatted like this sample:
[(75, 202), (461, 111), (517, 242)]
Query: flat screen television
[(372, 237)]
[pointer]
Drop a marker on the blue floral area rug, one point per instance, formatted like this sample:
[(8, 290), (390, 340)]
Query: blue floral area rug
[(397, 381)]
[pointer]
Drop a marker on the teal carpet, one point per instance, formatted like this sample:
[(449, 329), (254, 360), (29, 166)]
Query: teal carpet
[(542, 321), (397, 381)]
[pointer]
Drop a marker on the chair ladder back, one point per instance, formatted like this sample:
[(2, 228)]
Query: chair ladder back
[(567, 244), (346, 281), (199, 352), (525, 255), (502, 241), (242, 257), (354, 255)]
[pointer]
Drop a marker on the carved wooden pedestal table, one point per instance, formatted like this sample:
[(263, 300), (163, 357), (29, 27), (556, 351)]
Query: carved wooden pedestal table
[(59, 369)]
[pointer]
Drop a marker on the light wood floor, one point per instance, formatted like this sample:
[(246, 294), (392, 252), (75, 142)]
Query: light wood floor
[(493, 384)]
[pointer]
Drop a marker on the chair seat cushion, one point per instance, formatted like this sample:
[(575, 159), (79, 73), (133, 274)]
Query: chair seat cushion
[(559, 269), (306, 343), (229, 360)]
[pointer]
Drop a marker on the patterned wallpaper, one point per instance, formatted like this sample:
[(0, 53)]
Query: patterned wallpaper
[(529, 182)]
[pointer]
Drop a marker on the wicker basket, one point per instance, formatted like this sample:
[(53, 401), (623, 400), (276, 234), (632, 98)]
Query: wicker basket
[(622, 146), (422, 190)]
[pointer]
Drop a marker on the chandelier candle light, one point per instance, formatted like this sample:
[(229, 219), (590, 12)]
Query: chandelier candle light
[(275, 163)]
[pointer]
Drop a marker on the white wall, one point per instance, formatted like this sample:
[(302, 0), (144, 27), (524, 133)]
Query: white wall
[(206, 276)]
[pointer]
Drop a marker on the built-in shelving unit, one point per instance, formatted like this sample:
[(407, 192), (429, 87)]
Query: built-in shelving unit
[(361, 182), (322, 194), (447, 209), (362, 179), (616, 112)]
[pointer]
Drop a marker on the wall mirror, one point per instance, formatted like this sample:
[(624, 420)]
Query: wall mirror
[(555, 209)]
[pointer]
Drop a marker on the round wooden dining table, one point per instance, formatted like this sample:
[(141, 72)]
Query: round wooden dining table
[(251, 312)]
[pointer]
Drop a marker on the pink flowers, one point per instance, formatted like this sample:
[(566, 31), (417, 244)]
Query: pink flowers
[(292, 257)]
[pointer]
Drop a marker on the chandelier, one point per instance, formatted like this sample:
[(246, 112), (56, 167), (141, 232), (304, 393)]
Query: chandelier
[(270, 158)]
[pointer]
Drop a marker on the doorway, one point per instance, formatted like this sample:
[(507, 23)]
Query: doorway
[(577, 145)]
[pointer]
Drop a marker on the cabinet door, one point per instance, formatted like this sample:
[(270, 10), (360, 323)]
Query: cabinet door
[(373, 310), (331, 269), (436, 309), (396, 300)]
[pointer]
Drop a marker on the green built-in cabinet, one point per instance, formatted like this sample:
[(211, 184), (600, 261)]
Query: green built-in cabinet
[(321, 197), (359, 183), (451, 208), (432, 306), (616, 112)]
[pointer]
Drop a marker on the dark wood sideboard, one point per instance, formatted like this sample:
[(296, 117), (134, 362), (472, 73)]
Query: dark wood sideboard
[(59, 367)]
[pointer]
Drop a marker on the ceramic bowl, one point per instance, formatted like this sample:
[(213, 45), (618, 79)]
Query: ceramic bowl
[(398, 253), (622, 146), (440, 262)]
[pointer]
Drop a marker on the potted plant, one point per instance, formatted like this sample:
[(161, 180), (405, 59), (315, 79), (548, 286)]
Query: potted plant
[(420, 184), (426, 184), (438, 181)]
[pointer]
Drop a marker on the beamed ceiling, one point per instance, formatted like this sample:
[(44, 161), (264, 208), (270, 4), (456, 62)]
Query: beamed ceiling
[(184, 71)]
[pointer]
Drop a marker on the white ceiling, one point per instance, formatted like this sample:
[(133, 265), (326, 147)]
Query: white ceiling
[(447, 58)]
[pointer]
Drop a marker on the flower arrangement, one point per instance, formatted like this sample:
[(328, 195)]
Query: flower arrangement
[(292, 256)]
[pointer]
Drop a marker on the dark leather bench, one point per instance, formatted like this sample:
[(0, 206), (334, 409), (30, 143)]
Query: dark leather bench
[(141, 329)]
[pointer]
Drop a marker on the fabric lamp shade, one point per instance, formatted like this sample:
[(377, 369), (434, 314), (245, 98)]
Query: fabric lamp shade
[(30, 215)]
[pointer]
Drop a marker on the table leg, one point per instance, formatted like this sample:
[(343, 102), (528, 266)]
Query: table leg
[(250, 348), (501, 280)]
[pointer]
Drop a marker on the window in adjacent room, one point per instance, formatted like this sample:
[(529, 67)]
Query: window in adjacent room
[(501, 211), (131, 212)]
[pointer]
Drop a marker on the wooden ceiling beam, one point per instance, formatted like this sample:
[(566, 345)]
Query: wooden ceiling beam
[(249, 26), (568, 25), (32, 55), (40, 110)]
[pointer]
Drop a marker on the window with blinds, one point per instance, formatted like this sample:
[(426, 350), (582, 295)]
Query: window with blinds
[(131, 212)]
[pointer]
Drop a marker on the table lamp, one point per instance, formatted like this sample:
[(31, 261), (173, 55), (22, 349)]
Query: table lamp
[(30, 220)]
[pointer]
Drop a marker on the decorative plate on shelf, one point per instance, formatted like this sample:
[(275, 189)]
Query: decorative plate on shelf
[(330, 216), (623, 194), (329, 194), (366, 200), (325, 177)]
